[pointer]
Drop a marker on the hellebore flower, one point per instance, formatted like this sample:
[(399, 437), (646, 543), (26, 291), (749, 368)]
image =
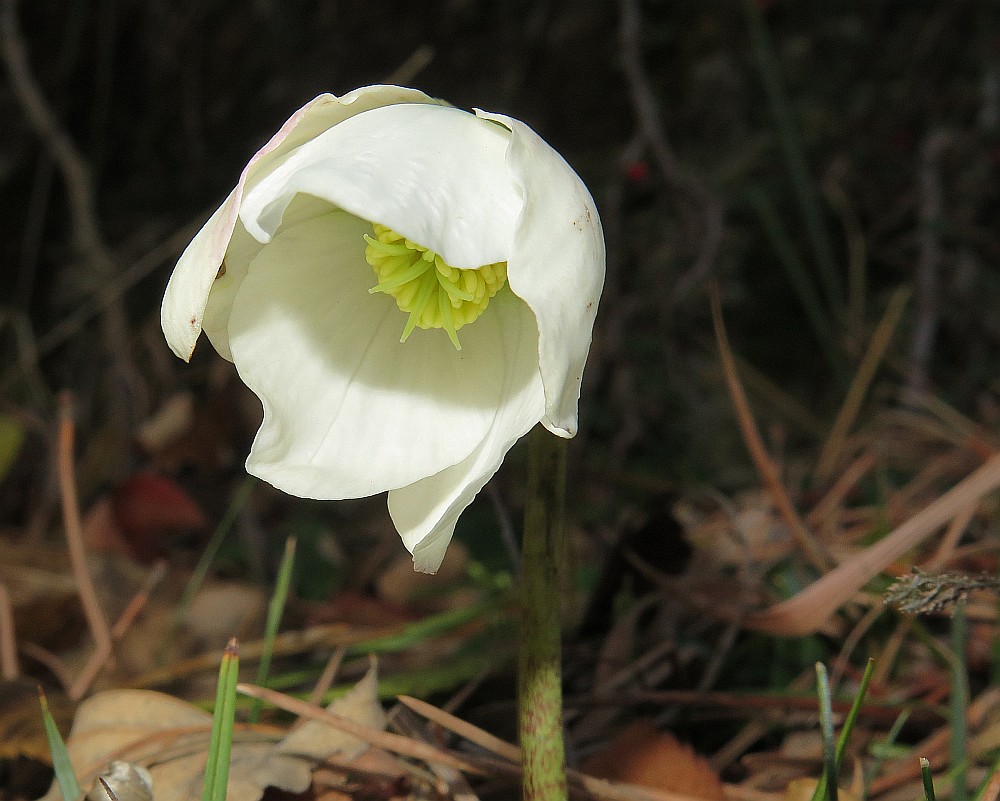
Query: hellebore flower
[(367, 223)]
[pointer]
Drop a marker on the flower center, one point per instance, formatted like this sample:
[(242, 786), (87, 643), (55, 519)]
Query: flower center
[(435, 294)]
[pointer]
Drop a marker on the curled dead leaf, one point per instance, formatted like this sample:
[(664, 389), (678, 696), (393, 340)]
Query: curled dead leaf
[(642, 755)]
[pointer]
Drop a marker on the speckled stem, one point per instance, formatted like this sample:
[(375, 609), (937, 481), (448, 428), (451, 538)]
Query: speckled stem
[(539, 662)]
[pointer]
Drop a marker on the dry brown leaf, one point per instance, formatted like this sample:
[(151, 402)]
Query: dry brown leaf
[(642, 755), (748, 530), (170, 738), (290, 765)]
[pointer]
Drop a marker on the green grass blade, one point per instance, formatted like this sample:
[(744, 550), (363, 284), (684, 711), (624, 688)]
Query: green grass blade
[(958, 747), (275, 610), (882, 750), (852, 715), (826, 787), (427, 628), (65, 775), (925, 774), (221, 740)]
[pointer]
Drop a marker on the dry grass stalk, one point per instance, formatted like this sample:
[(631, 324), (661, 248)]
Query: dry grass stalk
[(96, 621), (808, 610), (765, 465), (382, 739), (9, 669), (833, 448)]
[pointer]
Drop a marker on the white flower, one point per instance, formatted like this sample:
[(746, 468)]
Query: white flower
[(385, 215)]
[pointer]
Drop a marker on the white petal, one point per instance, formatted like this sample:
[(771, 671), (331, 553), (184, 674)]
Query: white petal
[(425, 513), (243, 248), (435, 174), (187, 293), (556, 266), (349, 410)]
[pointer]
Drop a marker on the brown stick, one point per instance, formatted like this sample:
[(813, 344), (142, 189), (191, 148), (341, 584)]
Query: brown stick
[(9, 669), (383, 739), (755, 444), (807, 611), (99, 628)]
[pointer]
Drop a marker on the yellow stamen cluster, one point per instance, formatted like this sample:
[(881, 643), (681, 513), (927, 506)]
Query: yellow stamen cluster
[(433, 293)]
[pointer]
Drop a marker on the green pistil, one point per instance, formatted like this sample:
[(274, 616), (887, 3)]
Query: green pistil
[(433, 293)]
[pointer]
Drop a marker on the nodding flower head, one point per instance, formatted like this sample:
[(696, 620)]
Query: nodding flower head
[(408, 288)]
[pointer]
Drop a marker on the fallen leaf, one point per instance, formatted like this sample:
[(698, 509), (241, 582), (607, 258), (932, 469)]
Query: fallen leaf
[(291, 764), (148, 507), (169, 737), (642, 755)]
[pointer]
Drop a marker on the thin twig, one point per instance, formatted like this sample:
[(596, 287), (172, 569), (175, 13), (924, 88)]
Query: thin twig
[(50, 661), (591, 787), (830, 456), (288, 642), (809, 609), (329, 674), (765, 465), (954, 532), (99, 628), (834, 497), (139, 600), (101, 655), (390, 742), (991, 790), (9, 669), (473, 734), (39, 114), (109, 293)]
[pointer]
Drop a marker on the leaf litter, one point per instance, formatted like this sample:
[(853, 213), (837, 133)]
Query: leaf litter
[(793, 551), (168, 737)]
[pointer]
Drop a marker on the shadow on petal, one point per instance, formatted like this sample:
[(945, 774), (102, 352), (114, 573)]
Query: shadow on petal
[(349, 411)]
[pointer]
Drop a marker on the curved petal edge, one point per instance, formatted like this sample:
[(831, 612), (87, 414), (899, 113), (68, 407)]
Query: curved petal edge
[(425, 512), (556, 266), (186, 296)]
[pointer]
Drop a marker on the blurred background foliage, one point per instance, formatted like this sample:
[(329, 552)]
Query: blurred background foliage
[(823, 167), (809, 131)]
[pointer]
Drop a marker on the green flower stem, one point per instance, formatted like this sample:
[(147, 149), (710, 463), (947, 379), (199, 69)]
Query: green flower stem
[(539, 661)]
